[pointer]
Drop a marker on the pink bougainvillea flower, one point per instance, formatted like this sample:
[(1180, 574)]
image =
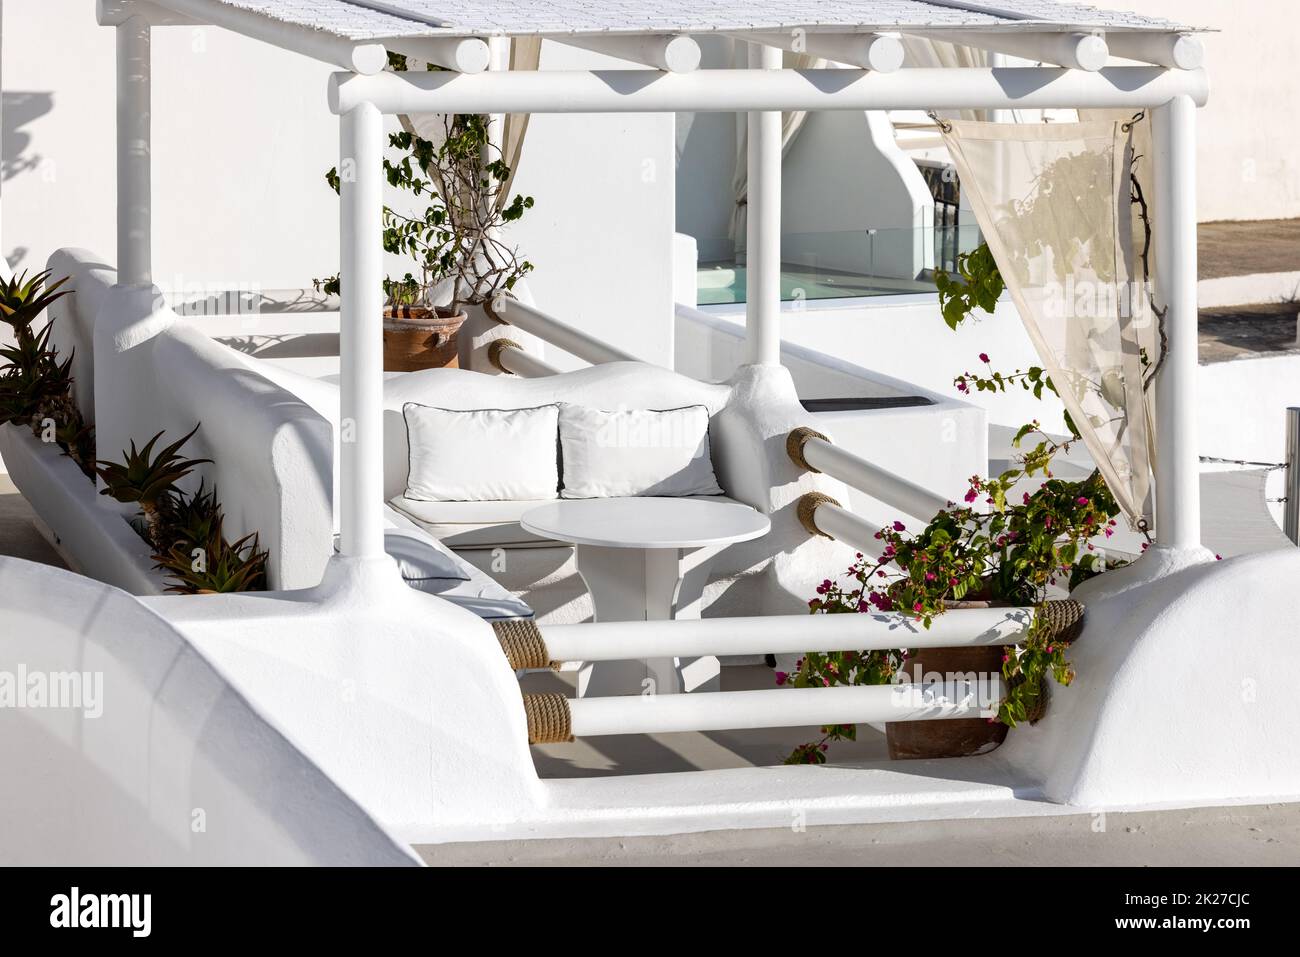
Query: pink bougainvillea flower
[(917, 607), (1081, 501), (899, 526), (972, 495), (984, 357), (782, 677)]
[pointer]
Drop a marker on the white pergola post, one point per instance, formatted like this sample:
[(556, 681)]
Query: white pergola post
[(1177, 471), (134, 253), (361, 337), (763, 225)]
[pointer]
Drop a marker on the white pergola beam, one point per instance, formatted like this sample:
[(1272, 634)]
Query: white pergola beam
[(1177, 465), (361, 337), (763, 224), (134, 147), (1074, 51), (355, 56), (460, 54), (731, 91), (1178, 51), (674, 53), (869, 51)]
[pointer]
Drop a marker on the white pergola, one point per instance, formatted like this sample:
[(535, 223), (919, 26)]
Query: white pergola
[(1074, 45)]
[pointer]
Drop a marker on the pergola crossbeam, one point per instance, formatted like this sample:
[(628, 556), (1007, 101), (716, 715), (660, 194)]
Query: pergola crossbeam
[(1178, 51), (1074, 51), (641, 91), (674, 53), (459, 54), (880, 53)]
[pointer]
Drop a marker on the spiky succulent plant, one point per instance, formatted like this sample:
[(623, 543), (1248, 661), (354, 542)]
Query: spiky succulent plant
[(215, 567), (23, 299), (147, 480)]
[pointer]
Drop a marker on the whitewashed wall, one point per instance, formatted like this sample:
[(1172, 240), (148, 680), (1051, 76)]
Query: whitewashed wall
[(242, 138), (1249, 142)]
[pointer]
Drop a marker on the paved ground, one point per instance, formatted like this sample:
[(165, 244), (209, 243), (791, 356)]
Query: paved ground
[(1243, 249), (18, 537), (1237, 332), (1263, 835)]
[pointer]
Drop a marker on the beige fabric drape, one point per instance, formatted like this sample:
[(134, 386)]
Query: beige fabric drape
[(791, 123), (525, 54), (1053, 203)]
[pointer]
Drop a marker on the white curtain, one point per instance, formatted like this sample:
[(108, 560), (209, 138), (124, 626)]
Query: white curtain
[(1054, 202)]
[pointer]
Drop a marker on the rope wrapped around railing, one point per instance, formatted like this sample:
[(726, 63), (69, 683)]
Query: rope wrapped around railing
[(522, 642), (811, 450), (550, 720), (553, 718), (512, 312), (508, 356), (806, 511), (820, 514)]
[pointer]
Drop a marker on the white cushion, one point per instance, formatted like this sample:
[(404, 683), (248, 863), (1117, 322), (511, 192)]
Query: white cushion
[(636, 452), (482, 455)]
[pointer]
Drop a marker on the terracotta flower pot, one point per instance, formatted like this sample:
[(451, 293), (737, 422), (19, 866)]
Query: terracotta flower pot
[(417, 337), (955, 737)]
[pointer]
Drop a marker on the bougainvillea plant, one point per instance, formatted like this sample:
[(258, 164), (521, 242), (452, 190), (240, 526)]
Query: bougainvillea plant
[(994, 546)]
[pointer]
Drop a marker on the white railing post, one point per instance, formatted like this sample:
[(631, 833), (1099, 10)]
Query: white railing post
[(1177, 471), (763, 229), (1291, 524), (361, 342), (134, 252)]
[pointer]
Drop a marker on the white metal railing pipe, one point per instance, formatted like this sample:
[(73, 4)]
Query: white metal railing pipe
[(509, 356), (784, 707), (812, 450), (557, 333), (731, 91), (822, 515), (782, 634)]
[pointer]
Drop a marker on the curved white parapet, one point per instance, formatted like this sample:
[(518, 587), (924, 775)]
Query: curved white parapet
[(1184, 693), (151, 756), (403, 699)]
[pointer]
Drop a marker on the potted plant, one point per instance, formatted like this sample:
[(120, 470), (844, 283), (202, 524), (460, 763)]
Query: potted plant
[(992, 549), (454, 242)]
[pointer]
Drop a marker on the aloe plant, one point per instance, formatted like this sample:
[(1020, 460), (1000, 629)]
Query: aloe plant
[(23, 299), (147, 480), (220, 568), (191, 521)]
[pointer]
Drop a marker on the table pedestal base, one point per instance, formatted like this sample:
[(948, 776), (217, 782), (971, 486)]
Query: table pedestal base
[(656, 584)]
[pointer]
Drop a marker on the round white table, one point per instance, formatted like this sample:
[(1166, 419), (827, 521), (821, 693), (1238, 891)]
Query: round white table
[(647, 559)]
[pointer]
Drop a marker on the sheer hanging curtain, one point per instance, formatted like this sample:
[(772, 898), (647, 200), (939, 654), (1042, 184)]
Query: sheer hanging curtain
[(1055, 204), (525, 54), (791, 123)]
